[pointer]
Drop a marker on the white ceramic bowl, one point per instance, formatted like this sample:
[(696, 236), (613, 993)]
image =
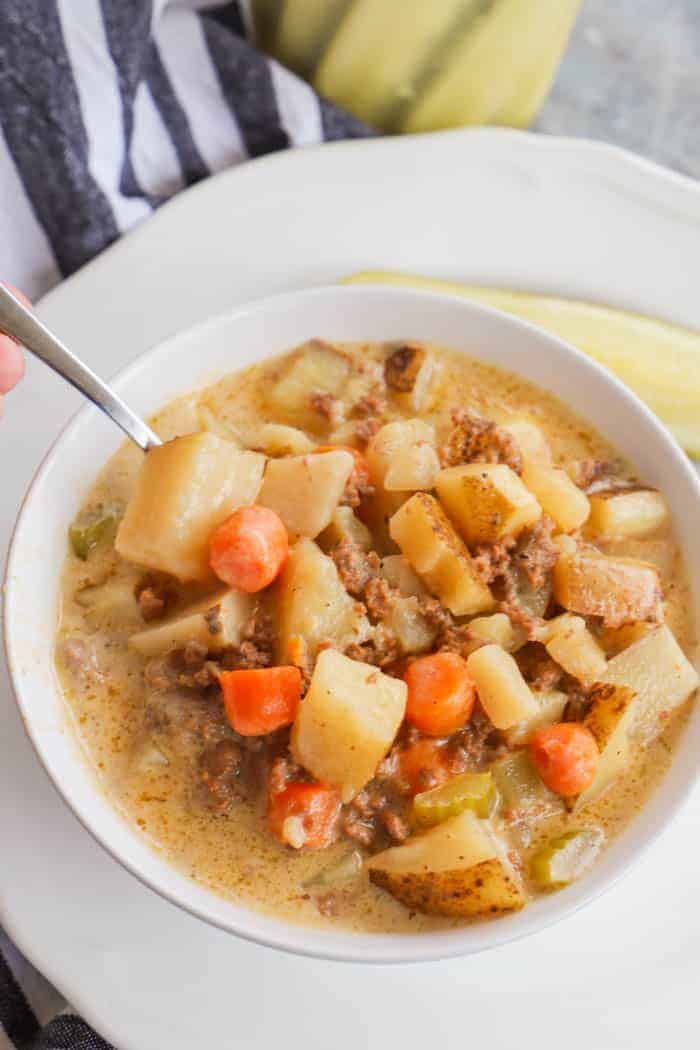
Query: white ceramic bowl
[(198, 357)]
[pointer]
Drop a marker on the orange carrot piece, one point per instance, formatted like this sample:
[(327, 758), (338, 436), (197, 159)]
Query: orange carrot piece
[(248, 550), (566, 757), (421, 766), (261, 700), (316, 808), (441, 693)]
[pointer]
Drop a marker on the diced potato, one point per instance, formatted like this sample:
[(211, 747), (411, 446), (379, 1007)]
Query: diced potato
[(641, 687), (316, 367), (458, 868), (425, 535), (619, 515), (275, 439), (486, 501), (573, 647), (345, 527), (347, 721), (609, 704), (556, 493), (305, 490), (496, 628), (566, 858), (396, 570), (414, 633), (110, 605), (526, 804), (475, 791), (610, 718), (377, 512), (314, 606), (214, 622), (410, 372), (503, 692), (619, 590), (659, 672), (550, 705), (614, 639), (533, 445), (186, 488), (401, 456)]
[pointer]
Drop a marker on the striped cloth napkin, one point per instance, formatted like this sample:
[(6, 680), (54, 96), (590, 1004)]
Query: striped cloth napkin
[(107, 109)]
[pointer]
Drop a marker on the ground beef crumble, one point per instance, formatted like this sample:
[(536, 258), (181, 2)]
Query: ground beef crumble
[(474, 439), (153, 595), (535, 552), (355, 566), (328, 406), (256, 647)]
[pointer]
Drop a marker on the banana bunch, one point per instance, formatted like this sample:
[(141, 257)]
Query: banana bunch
[(421, 65)]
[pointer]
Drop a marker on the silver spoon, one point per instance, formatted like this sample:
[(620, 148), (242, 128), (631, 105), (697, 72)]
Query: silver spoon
[(20, 323)]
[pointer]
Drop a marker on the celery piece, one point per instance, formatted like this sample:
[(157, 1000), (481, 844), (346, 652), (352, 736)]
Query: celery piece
[(475, 791), (566, 857), (85, 535), (348, 867)]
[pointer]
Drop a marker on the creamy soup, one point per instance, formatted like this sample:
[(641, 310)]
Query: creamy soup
[(429, 681)]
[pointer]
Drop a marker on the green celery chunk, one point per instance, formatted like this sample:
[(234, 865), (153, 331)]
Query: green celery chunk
[(348, 867), (566, 858), (475, 791), (86, 535)]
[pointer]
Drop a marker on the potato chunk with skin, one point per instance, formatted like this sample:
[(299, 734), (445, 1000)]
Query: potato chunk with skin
[(557, 495), (641, 687), (619, 590), (503, 692), (314, 606), (625, 514), (306, 490), (316, 367), (186, 488), (486, 501), (214, 622), (401, 456), (458, 868), (409, 372), (425, 535), (573, 647), (347, 721)]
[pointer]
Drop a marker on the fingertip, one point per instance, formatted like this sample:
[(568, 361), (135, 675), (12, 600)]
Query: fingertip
[(11, 364)]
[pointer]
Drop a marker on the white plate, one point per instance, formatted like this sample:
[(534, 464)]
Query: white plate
[(491, 207)]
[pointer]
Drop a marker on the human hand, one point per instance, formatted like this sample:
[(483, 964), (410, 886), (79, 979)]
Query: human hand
[(11, 360)]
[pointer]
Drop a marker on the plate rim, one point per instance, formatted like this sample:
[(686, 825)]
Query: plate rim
[(647, 179)]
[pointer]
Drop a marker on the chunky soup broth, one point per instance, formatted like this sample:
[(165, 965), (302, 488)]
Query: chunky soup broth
[(538, 632)]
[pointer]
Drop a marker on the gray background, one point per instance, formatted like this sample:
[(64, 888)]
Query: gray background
[(631, 76)]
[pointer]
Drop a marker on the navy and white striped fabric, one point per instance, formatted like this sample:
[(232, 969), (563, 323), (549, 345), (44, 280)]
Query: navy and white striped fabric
[(107, 109)]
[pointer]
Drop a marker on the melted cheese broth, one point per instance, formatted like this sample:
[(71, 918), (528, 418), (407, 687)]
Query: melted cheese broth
[(233, 854)]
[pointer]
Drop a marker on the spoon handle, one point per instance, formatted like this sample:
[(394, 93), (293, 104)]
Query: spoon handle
[(20, 323)]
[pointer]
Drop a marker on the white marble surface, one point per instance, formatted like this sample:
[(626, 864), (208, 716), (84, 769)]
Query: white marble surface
[(631, 76)]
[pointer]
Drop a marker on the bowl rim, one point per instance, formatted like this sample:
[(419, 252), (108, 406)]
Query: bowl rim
[(284, 935)]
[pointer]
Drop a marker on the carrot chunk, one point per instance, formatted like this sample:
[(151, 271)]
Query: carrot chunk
[(441, 693), (566, 757), (421, 766), (248, 550), (304, 814), (261, 700)]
